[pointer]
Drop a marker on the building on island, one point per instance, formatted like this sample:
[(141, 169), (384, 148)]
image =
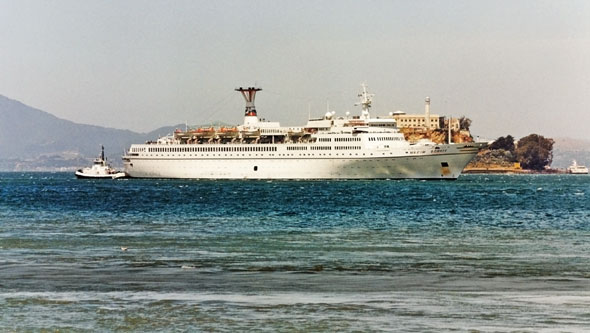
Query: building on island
[(425, 120)]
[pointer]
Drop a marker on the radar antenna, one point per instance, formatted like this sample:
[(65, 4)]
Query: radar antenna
[(365, 102)]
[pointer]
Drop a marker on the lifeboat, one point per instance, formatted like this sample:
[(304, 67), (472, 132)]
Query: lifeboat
[(204, 132), (226, 132)]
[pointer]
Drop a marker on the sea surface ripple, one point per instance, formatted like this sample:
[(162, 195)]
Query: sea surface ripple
[(485, 253)]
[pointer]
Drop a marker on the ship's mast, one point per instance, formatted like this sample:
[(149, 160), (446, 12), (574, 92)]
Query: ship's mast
[(365, 102), (102, 159)]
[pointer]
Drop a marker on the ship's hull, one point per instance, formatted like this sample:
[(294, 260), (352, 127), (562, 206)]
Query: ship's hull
[(579, 171), (377, 165), (86, 175)]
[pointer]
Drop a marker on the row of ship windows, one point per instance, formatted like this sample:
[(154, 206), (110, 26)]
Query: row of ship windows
[(254, 148), (296, 147), (346, 139), (269, 155), (204, 149), (386, 139), (238, 149), (323, 147), (358, 139), (282, 155), (347, 147)]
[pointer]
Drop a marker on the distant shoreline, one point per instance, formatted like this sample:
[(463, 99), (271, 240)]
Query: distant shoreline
[(496, 170)]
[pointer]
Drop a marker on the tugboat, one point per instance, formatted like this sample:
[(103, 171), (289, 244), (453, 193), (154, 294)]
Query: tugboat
[(100, 169)]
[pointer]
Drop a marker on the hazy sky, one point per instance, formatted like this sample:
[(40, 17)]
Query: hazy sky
[(513, 67)]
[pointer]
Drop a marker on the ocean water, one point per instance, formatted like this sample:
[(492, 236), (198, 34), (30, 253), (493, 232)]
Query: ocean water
[(485, 253)]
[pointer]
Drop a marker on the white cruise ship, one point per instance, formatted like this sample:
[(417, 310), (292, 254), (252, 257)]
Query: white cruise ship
[(356, 147)]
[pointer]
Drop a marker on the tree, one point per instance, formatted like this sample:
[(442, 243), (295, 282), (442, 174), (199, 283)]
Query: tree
[(534, 152), (506, 143), (464, 123)]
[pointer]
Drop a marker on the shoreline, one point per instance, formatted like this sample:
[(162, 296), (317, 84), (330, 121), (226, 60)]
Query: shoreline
[(496, 170)]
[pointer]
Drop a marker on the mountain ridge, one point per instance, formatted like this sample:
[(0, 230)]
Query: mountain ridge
[(30, 137)]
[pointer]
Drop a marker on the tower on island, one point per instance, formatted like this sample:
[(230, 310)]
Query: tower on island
[(427, 113)]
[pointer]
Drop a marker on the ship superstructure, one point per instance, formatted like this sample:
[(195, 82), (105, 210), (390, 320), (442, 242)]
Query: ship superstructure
[(330, 147)]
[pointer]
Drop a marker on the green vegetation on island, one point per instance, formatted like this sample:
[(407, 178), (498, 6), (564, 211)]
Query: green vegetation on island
[(531, 153)]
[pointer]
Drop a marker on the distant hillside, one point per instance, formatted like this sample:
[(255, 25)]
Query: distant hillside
[(31, 139), (565, 150)]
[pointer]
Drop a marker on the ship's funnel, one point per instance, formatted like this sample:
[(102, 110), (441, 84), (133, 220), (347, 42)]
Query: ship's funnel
[(249, 95)]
